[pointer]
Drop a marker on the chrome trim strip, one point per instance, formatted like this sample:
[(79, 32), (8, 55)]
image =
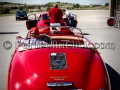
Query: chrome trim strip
[(57, 84)]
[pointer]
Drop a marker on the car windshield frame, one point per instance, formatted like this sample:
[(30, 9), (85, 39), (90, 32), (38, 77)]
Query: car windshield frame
[(65, 27)]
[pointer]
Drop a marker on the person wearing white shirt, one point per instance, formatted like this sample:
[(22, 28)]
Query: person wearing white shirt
[(70, 17), (32, 41), (34, 38)]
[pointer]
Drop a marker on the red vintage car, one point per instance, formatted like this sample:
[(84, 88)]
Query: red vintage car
[(68, 62)]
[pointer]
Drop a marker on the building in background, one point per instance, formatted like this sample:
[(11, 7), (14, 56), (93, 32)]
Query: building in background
[(114, 7)]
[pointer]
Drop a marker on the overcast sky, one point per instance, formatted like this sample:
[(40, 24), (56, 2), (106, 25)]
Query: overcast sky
[(84, 2)]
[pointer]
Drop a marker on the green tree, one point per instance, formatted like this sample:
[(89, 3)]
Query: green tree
[(58, 2), (68, 8), (20, 7), (77, 5), (106, 4), (5, 10), (25, 7), (14, 8), (31, 7), (39, 7), (48, 5), (66, 3), (48, 8), (74, 6)]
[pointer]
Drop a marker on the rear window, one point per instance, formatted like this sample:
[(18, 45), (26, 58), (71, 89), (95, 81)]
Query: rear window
[(21, 12)]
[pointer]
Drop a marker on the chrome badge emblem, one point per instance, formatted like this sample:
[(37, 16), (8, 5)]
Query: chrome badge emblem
[(58, 61)]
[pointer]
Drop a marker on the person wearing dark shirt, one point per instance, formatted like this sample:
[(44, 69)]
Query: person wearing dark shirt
[(55, 15)]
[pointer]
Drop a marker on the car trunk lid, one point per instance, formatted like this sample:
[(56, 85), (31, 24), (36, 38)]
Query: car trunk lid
[(62, 60)]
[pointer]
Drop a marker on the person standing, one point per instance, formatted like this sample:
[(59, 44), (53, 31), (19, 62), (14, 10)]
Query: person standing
[(70, 17), (55, 15)]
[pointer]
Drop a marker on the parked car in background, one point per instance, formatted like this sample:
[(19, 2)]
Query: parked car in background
[(21, 15)]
